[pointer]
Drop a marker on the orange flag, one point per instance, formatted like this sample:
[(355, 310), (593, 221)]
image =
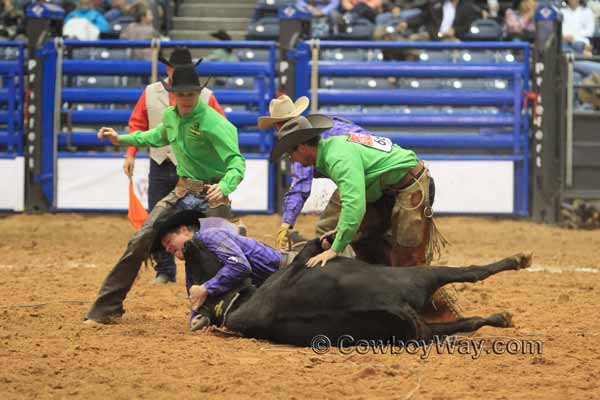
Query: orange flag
[(137, 213)]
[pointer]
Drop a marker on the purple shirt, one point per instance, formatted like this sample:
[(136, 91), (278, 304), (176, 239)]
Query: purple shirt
[(294, 199), (241, 257)]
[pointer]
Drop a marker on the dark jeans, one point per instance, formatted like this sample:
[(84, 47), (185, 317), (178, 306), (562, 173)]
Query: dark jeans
[(162, 180)]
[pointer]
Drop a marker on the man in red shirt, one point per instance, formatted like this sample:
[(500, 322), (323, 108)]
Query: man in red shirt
[(163, 177)]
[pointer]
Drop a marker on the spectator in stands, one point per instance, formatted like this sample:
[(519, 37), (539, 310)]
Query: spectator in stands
[(86, 11), (162, 179), (319, 8), (141, 29), (578, 26), (349, 11), (224, 53), (119, 8), (520, 24), (452, 19), (11, 18)]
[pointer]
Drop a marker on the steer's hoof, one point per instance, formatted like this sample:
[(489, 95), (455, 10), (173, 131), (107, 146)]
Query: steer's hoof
[(501, 320), (522, 260)]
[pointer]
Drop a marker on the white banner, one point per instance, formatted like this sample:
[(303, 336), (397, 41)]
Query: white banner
[(12, 184), (461, 187), (100, 184)]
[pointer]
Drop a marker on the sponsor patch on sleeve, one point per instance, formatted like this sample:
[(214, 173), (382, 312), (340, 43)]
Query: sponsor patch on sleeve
[(375, 142)]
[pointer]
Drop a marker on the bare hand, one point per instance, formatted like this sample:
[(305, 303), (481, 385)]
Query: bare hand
[(198, 295), (214, 193), (322, 258), (208, 329), (110, 134), (128, 165), (401, 27)]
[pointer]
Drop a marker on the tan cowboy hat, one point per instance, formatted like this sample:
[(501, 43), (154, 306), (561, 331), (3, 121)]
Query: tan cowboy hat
[(297, 131), (282, 109)]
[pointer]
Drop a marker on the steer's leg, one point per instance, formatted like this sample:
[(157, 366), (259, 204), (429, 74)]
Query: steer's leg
[(501, 320), (475, 273)]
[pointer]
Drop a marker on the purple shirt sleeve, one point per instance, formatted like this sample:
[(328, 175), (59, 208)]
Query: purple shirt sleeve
[(235, 265), (294, 199)]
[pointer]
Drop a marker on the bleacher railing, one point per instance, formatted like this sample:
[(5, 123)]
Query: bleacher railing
[(498, 136), (12, 61)]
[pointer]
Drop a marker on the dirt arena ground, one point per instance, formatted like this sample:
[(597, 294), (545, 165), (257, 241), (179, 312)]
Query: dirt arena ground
[(61, 260)]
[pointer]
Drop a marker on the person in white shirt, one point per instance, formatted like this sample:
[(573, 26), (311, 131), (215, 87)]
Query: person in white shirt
[(578, 26)]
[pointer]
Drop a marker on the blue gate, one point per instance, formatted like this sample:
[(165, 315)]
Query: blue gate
[(460, 105)]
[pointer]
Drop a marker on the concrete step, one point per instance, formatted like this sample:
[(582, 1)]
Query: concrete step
[(203, 35), (210, 23), (216, 10)]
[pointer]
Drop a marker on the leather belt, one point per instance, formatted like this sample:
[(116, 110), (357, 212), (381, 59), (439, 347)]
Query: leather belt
[(188, 185), (411, 176)]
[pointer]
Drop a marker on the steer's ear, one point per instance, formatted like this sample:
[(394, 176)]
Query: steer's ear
[(310, 249)]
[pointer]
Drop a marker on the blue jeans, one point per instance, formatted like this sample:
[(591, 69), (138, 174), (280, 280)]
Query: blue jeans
[(161, 181)]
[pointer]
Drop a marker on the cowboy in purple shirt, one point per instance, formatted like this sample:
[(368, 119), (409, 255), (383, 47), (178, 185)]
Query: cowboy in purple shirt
[(281, 110), (240, 257)]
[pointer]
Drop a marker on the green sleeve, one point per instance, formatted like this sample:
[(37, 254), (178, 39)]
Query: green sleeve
[(224, 139), (155, 137), (350, 179)]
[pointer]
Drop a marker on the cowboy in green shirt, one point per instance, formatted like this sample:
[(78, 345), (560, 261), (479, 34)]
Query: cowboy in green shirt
[(210, 167), (384, 191)]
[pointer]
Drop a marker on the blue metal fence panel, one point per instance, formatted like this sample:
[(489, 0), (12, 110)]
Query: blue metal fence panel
[(510, 127), (11, 101)]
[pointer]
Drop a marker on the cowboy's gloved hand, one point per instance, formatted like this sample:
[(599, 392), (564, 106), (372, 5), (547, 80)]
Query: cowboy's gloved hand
[(322, 258), (198, 295), (283, 236)]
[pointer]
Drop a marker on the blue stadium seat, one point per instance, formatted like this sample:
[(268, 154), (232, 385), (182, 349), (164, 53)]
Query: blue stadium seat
[(484, 30), (373, 55), (266, 28), (361, 29), (121, 23), (479, 56), (239, 83), (253, 55), (98, 81), (343, 55), (435, 56), (422, 83)]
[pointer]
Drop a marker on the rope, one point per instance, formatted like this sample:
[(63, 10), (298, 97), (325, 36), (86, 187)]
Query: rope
[(155, 46), (314, 76)]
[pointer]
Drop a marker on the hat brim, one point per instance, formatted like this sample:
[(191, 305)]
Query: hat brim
[(300, 105), (173, 221), (168, 63), (182, 88), (321, 123)]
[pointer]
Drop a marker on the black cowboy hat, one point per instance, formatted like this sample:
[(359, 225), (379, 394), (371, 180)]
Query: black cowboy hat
[(221, 35), (185, 79), (179, 57), (297, 131), (171, 220)]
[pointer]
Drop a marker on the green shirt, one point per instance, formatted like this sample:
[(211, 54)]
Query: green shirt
[(204, 143), (360, 172)]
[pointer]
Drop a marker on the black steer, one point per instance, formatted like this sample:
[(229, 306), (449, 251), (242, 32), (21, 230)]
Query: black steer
[(348, 297)]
